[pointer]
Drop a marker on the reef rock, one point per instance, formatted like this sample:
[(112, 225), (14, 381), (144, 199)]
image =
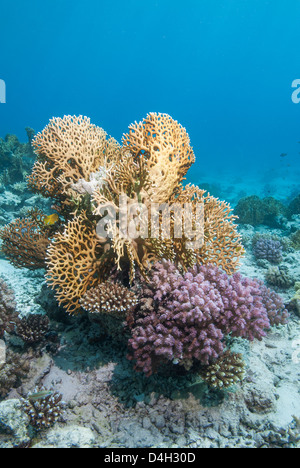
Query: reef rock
[(68, 437), (13, 425)]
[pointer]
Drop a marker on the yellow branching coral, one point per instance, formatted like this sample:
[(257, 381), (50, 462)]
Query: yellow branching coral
[(164, 145), (25, 243), (69, 149), (72, 262), (222, 243), (86, 174), (155, 159)]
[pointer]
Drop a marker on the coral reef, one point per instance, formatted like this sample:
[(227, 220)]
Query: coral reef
[(279, 276), (190, 322), (16, 159), (43, 407), (86, 174), (294, 206), (12, 371), (228, 370), (24, 243), (267, 248), (32, 328), (8, 314), (255, 211)]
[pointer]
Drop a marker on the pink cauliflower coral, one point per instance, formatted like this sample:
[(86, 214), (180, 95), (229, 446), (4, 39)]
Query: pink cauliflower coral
[(191, 314)]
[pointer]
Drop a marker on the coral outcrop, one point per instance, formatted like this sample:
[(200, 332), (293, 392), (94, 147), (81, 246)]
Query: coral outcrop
[(267, 248), (24, 243), (256, 211), (228, 370), (86, 173), (43, 407), (8, 314), (12, 372), (33, 328), (190, 322), (151, 259)]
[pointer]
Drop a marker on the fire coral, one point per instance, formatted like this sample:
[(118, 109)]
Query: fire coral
[(85, 173)]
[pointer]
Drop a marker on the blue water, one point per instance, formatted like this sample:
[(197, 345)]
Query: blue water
[(222, 68)]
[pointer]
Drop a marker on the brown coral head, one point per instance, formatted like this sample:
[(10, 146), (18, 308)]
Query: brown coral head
[(33, 328), (226, 371), (44, 407), (109, 298), (24, 244)]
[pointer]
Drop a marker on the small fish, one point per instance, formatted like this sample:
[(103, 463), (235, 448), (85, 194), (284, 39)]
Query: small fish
[(283, 155), (51, 219), (39, 395)]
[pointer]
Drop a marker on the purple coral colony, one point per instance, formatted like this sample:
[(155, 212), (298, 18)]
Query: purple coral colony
[(171, 309)]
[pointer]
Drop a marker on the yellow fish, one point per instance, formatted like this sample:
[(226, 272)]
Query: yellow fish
[(51, 219)]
